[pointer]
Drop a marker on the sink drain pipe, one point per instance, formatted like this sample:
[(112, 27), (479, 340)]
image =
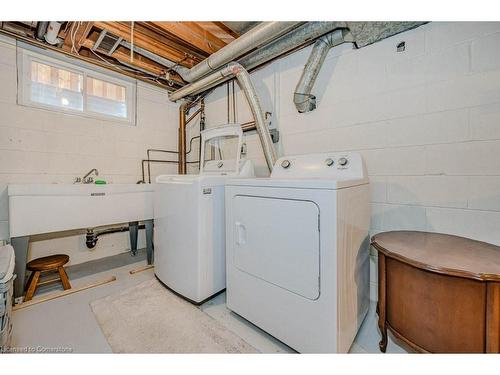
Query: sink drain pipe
[(92, 235)]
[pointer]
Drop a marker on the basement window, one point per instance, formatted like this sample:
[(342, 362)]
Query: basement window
[(48, 83)]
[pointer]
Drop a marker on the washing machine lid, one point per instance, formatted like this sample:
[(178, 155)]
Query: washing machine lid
[(221, 150), (191, 179), (246, 169), (313, 171)]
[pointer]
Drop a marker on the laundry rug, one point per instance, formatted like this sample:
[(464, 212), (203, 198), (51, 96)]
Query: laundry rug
[(148, 318)]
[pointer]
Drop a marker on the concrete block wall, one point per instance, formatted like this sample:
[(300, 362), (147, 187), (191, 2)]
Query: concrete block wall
[(42, 146), (426, 120)]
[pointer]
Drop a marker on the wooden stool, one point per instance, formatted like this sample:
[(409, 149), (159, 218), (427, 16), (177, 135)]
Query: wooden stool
[(44, 264)]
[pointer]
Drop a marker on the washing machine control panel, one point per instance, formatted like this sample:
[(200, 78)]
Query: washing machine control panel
[(324, 165)]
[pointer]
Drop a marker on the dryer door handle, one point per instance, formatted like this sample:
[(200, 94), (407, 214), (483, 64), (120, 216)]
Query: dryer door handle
[(241, 234)]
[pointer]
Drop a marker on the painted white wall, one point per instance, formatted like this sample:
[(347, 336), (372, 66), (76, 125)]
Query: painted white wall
[(427, 122), (41, 146)]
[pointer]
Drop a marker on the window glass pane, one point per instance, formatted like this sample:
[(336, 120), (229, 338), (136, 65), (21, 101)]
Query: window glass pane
[(106, 98), (56, 87)]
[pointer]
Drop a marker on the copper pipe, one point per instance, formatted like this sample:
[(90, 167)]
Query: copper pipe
[(250, 125), (247, 126), (193, 115), (183, 121), (182, 138)]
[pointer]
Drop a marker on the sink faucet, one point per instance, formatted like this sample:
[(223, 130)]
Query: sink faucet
[(87, 179)]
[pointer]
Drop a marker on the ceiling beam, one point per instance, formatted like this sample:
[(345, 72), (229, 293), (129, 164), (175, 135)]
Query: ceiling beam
[(193, 34), (226, 29), (76, 35), (151, 41)]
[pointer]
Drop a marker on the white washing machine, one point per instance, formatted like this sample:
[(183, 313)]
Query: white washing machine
[(297, 250), (189, 234)]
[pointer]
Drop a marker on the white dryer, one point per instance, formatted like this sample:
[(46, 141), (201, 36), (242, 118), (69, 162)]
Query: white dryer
[(189, 232), (297, 250)]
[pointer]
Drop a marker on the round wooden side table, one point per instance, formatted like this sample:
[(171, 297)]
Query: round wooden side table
[(438, 293)]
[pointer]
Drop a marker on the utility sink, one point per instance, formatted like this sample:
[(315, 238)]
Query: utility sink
[(45, 208)]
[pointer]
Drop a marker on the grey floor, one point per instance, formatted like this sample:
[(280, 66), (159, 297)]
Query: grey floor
[(68, 322)]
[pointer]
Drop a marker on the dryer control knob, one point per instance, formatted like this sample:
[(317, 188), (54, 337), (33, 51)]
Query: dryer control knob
[(343, 162), (286, 164), (329, 162)]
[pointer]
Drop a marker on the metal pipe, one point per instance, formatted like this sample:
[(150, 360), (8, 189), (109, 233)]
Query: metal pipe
[(248, 126), (294, 39), (303, 99), (149, 160), (234, 102), (256, 37), (259, 35), (156, 58), (92, 235), (41, 29), (286, 43), (227, 94), (182, 138), (182, 168), (194, 115)]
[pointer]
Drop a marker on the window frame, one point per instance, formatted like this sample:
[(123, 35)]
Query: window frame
[(24, 83)]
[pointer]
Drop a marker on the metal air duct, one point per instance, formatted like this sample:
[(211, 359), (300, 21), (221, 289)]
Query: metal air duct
[(243, 78), (256, 37), (284, 44), (303, 99)]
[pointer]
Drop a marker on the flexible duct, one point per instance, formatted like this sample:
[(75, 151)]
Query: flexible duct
[(303, 99), (237, 71), (253, 100)]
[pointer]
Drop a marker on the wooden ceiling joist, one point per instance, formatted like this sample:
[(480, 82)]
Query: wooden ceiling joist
[(226, 29), (193, 34), (184, 43), (153, 43), (77, 33)]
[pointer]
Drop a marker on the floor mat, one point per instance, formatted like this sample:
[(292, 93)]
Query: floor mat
[(148, 318)]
